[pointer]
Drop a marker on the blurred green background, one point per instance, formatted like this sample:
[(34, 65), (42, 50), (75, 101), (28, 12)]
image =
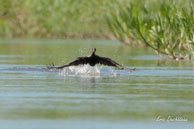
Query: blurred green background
[(56, 18), (165, 26)]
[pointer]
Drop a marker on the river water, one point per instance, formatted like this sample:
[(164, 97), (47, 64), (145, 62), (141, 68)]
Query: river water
[(160, 94)]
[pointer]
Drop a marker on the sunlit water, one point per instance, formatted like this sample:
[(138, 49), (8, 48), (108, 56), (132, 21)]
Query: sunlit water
[(31, 97)]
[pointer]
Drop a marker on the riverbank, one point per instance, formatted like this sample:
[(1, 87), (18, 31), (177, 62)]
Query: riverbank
[(150, 23)]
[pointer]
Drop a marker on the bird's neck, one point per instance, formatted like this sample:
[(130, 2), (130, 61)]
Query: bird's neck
[(93, 53)]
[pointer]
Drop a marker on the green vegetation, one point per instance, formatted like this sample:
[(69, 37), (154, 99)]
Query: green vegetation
[(165, 26), (55, 18)]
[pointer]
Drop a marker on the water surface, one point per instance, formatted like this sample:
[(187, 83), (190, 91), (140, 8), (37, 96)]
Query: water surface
[(108, 98)]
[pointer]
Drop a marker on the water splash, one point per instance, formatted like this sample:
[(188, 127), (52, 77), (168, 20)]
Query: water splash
[(87, 70)]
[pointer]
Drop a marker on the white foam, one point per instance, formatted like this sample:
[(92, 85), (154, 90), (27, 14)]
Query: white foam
[(91, 71), (82, 70)]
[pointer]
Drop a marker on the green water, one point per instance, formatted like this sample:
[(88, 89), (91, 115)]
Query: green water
[(33, 98)]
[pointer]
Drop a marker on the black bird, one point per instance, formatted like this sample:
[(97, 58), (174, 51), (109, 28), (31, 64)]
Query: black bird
[(92, 60)]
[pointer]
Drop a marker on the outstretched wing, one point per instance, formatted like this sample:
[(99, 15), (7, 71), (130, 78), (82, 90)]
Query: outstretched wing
[(78, 61), (109, 62)]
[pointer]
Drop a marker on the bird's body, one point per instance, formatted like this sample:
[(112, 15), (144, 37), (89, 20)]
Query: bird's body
[(92, 60)]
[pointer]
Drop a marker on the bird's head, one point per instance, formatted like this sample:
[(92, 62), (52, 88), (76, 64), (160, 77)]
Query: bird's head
[(93, 50)]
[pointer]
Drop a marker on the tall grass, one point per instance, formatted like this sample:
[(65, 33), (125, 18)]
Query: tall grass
[(165, 26), (55, 18)]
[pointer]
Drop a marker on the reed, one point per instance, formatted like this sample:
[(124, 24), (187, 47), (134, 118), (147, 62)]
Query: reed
[(165, 26)]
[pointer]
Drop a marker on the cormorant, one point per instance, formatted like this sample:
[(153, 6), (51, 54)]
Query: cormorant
[(92, 60)]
